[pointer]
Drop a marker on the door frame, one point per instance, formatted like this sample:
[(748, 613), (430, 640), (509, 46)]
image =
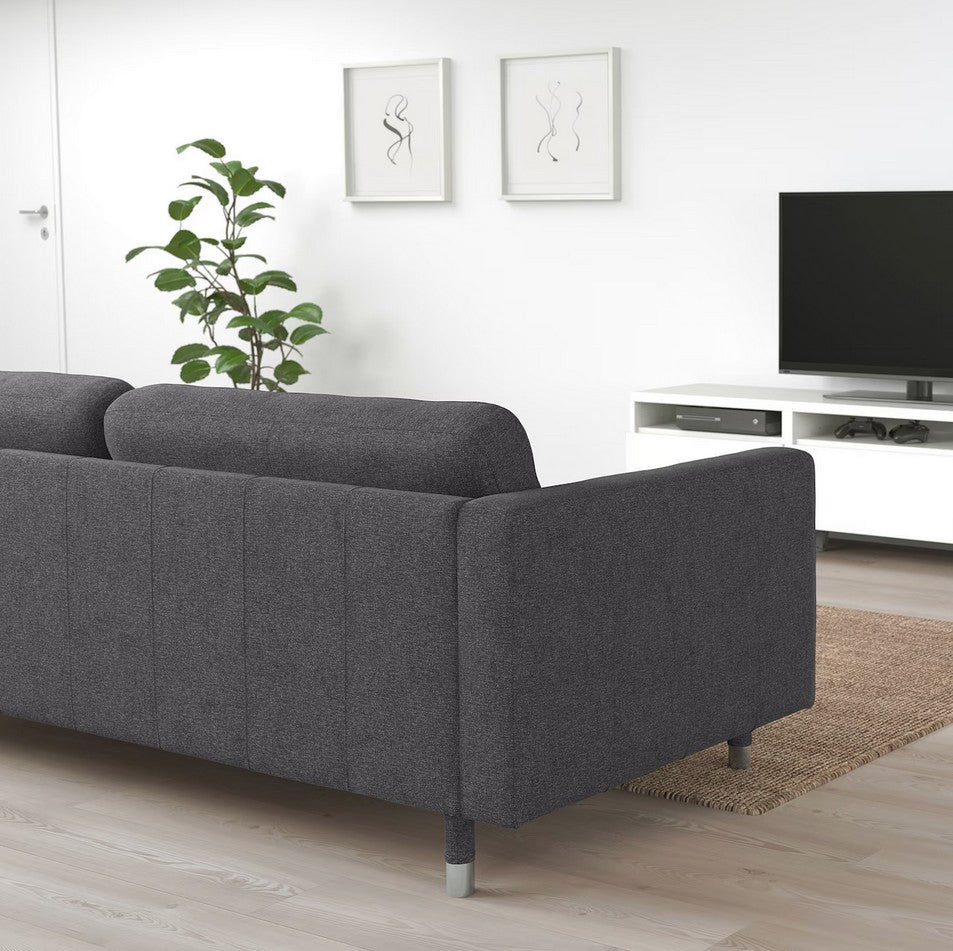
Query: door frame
[(57, 229)]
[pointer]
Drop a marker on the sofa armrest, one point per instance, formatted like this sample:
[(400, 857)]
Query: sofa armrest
[(610, 626)]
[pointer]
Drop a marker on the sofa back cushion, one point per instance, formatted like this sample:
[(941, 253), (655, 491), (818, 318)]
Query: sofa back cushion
[(56, 412), (294, 628), (461, 449)]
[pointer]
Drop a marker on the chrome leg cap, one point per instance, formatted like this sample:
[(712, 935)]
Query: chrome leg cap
[(739, 757), (460, 880)]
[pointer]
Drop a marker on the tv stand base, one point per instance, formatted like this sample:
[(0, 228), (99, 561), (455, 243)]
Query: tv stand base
[(918, 391)]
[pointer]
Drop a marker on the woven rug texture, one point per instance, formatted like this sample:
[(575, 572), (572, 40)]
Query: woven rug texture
[(882, 681)]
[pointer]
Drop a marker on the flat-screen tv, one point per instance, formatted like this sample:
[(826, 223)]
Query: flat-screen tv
[(867, 284)]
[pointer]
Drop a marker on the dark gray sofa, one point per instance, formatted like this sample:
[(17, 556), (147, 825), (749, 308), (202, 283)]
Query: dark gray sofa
[(376, 595)]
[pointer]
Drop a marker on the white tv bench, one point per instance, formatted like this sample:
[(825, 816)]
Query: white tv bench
[(864, 487)]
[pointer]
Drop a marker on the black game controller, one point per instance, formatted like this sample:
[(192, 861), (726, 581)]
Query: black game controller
[(914, 431), (861, 426)]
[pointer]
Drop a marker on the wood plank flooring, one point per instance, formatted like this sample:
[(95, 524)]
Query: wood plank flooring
[(104, 845)]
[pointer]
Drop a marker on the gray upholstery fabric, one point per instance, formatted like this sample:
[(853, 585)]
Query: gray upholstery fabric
[(108, 555), (350, 627), (611, 626), (490, 658), (198, 630), (459, 840), (460, 449), (302, 629), (34, 608), (402, 647), (295, 563), (56, 412)]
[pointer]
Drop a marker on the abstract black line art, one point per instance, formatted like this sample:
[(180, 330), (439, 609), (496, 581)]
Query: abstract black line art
[(552, 110), (397, 123), (576, 119)]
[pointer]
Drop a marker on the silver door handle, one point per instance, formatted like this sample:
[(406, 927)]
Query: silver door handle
[(42, 211)]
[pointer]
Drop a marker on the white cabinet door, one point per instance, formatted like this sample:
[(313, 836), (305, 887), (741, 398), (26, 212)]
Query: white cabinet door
[(888, 494), (650, 450), (30, 327)]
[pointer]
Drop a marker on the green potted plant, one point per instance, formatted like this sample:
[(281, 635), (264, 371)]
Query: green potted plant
[(207, 272)]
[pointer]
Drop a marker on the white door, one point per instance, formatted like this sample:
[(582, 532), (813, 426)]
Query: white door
[(31, 328)]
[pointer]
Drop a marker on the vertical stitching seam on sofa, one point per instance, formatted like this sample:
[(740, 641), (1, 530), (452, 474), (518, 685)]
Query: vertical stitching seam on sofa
[(69, 606), (457, 509), (510, 764), (245, 610), (269, 435), (152, 602), (344, 645)]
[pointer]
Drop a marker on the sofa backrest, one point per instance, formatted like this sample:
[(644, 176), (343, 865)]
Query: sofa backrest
[(467, 450), (56, 412), (295, 628)]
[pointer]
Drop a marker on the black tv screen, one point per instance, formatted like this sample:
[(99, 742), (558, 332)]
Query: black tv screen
[(867, 283)]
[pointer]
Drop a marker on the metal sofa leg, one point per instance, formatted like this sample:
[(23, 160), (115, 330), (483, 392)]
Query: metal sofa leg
[(459, 849), (739, 751)]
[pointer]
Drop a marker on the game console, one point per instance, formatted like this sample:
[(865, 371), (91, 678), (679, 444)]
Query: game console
[(742, 422)]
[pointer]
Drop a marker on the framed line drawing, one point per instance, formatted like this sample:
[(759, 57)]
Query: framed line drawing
[(397, 131), (559, 126)]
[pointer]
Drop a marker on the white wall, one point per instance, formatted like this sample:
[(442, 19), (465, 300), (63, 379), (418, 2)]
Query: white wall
[(555, 310)]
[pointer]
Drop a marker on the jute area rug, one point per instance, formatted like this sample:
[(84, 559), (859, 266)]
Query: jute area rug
[(882, 681)]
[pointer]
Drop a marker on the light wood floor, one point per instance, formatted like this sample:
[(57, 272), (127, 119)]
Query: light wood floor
[(104, 845)]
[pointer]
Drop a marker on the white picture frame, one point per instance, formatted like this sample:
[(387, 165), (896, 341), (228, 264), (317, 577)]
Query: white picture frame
[(397, 131), (559, 126)]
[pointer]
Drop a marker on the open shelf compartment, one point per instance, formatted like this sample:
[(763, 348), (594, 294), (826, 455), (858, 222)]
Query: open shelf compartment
[(817, 429)]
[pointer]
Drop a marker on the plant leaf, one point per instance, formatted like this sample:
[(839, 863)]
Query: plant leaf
[(208, 146), (307, 312), (272, 319), (211, 318), (224, 267), (250, 215), (243, 182), (235, 302), (233, 244), (191, 302), (257, 256), (248, 321), (241, 375), (251, 218), (276, 187), (305, 332), (173, 279), (181, 208), (226, 168), (256, 216), (191, 351), (195, 370), (276, 279), (288, 371), (212, 241), (185, 245), (210, 185), (135, 252), (229, 359)]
